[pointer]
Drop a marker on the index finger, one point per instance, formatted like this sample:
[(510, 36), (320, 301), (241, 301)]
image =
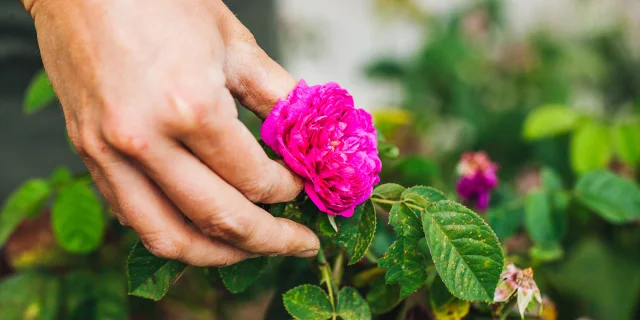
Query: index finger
[(218, 209)]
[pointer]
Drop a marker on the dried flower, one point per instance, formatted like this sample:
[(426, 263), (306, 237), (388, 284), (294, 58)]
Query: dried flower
[(515, 280)]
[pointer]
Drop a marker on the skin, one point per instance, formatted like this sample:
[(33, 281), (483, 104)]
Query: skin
[(147, 91)]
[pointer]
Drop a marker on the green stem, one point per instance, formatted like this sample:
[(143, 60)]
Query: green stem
[(371, 257), (326, 276), (506, 309), (337, 268)]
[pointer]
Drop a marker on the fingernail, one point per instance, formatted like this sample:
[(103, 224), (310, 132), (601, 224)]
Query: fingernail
[(307, 254)]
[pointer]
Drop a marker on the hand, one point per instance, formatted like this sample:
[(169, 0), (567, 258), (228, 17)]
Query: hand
[(147, 91)]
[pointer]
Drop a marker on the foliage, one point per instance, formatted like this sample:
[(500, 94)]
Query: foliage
[(568, 204)]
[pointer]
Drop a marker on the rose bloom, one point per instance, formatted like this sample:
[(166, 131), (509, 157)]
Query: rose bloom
[(326, 140), (477, 179)]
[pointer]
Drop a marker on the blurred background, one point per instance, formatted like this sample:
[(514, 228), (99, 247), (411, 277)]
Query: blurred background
[(540, 86)]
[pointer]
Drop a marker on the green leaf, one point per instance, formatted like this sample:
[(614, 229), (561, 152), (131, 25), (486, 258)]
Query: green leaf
[(356, 232), (382, 297), (25, 202), (505, 220), (546, 253), (428, 193), (626, 138), (29, 296), (241, 275), (325, 226), (615, 199), (149, 276), (60, 176), (308, 302), (590, 148), (76, 216), (388, 191), (402, 260), (39, 93), (454, 310), (277, 209), (551, 181), (439, 293), (351, 306), (548, 121), (388, 150), (539, 220), (464, 249)]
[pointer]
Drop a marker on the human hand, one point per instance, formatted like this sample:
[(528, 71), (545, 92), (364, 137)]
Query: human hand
[(147, 91)]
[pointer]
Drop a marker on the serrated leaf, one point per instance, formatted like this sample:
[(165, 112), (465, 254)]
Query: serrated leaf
[(308, 302), (626, 138), (388, 191), (29, 296), (402, 260), (548, 121), (382, 297), (149, 276), (464, 249), (351, 305), (77, 219), (615, 199), (428, 193), (24, 202), (539, 220), (356, 233), (590, 148), (241, 275), (39, 93)]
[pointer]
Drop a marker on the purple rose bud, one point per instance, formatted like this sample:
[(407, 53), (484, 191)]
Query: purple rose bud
[(326, 140), (477, 179)]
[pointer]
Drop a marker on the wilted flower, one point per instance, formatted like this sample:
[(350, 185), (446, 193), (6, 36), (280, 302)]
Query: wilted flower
[(477, 179), (326, 140), (515, 280)]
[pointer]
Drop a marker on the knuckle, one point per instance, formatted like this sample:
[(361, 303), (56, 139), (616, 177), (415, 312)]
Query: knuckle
[(227, 227), (191, 112), (258, 190), (87, 144), (124, 138), (163, 245)]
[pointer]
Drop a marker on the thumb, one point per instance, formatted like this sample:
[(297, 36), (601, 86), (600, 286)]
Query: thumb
[(256, 80)]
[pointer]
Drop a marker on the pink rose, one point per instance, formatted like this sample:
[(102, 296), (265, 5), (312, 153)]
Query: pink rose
[(326, 140)]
